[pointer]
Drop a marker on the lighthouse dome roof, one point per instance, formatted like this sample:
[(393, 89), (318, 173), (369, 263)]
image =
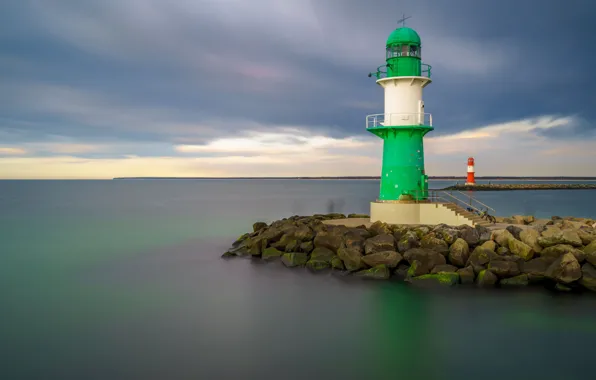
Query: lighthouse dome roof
[(403, 36)]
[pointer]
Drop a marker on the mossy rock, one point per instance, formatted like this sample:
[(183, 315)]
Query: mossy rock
[(444, 279), (521, 280), (271, 253), (380, 272), (336, 263), (316, 265), (294, 259), (486, 278)]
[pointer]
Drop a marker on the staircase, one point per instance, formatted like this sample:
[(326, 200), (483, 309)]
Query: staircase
[(474, 218)]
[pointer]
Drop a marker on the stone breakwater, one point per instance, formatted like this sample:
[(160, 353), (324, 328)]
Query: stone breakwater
[(559, 254), (523, 186)]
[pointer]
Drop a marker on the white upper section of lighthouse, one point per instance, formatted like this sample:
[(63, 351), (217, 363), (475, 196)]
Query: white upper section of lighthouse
[(403, 100)]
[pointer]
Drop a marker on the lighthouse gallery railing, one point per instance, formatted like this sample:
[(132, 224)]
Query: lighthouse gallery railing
[(398, 119)]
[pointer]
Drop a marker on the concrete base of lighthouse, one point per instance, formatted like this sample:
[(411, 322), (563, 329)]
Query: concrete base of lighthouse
[(403, 212)]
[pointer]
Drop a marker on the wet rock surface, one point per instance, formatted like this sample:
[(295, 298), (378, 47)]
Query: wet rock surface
[(558, 253)]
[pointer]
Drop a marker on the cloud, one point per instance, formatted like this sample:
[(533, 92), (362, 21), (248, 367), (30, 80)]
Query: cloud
[(11, 151)]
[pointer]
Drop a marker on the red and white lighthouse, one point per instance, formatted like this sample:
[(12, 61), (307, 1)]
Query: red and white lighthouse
[(470, 180)]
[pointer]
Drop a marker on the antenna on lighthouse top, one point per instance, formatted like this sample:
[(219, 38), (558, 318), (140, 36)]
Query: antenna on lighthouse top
[(403, 20)]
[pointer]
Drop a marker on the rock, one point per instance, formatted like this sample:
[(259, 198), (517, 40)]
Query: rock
[(408, 241), (486, 278), (421, 231), (417, 269), (588, 279), (448, 235), (554, 235), (502, 237), (565, 269), (590, 251), (562, 288), (503, 268), (484, 234), (521, 280), (444, 268), (518, 219), (466, 275), (259, 226), (271, 253), (322, 254), (256, 245), (380, 228), (431, 242), (586, 237), (515, 231), (520, 249), (470, 235), (529, 219), (380, 272), (240, 240), (316, 265), (427, 259), (459, 252), (355, 241), (389, 258), (479, 258), (529, 236), (535, 268), (402, 271), (556, 251), (307, 247), (294, 259), (503, 251), (444, 279), (303, 233), (328, 240), (379, 243), (352, 258), (490, 245), (336, 263)]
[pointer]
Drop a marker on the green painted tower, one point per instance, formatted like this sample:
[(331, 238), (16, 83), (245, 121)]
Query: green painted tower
[(404, 123)]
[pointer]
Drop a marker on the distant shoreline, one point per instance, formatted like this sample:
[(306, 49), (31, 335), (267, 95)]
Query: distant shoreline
[(363, 178)]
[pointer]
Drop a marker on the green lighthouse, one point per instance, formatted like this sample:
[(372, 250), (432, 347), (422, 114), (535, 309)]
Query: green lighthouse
[(404, 123)]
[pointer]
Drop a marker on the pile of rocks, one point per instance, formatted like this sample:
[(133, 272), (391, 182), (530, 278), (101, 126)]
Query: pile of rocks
[(560, 254)]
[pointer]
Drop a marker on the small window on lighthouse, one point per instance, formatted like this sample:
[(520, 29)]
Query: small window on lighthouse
[(413, 51)]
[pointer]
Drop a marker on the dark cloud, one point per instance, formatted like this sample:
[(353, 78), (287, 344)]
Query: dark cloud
[(186, 70)]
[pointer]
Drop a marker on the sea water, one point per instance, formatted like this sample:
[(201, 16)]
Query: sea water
[(124, 280)]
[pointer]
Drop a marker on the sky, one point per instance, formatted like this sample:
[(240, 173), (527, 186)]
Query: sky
[(225, 88)]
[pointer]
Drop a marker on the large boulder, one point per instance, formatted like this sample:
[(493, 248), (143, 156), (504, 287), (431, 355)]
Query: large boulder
[(459, 252), (466, 275), (486, 278), (520, 249), (389, 258), (444, 268), (535, 268), (426, 258), (588, 279), (352, 258), (380, 228), (417, 269), (380, 272), (443, 279), (502, 237), (565, 269), (515, 231), (379, 243), (328, 240), (530, 236), (483, 233), (554, 235), (431, 242), (479, 258), (322, 254), (408, 241), (586, 236), (355, 240), (258, 226), (520, 280), (590, 251), (316, 265), (449, 235), (271, 253), (294, 259), (470, 235), (503, 269), (336, 263), (490, 245), (555, 251), (306, 247)]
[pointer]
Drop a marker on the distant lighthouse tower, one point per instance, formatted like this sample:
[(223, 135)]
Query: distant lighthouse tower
[(470, 179), (404, 123)]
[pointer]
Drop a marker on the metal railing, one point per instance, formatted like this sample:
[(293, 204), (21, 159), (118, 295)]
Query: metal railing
[(398, 119), (442, 196), (425, 71)]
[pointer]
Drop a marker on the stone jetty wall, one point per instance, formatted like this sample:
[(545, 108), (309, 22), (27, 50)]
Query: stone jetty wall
[(559, 254), (523, 186)]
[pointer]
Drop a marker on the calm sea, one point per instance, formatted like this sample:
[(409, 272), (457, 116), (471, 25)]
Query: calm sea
[(123, 280)]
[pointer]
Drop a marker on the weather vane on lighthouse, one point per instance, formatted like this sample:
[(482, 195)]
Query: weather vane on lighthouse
[(403, 20)]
